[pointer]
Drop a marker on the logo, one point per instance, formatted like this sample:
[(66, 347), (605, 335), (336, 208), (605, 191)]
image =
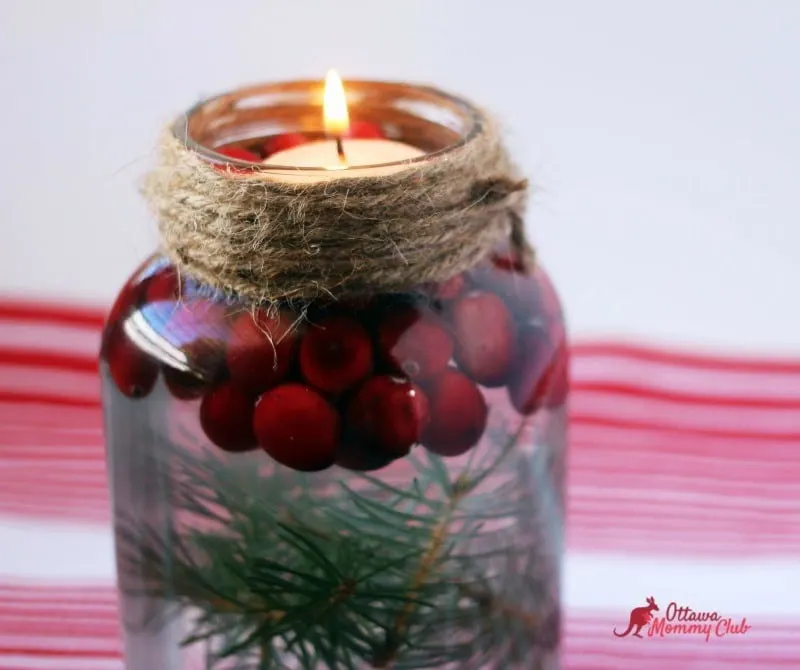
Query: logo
[(680, 620), (640, 617)]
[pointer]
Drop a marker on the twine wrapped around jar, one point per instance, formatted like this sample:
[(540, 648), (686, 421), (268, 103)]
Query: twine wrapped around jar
[(265, 239)]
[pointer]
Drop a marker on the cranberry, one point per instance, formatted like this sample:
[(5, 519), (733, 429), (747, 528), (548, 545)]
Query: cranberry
[(183, 385), (162, 286), (226, 416), (529, 294), (485, 337), (449, 289), (558, 378), (505, 257), (368, 310), (276, 143), (134, 372), (261, 349), (361, 456), (414, 341), (390, 413), (297, 427), (205, 358), (541, 372), (126, 300), (517, 290), (365, 130), (458, 415), (196, 331), (335, 354), (548, 298), (238, 153)]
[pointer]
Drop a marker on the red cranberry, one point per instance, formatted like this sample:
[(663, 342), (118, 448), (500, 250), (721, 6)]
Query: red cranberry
[(239, 153), (485, 337), (261, 349), (390, 413), (540, 374), (205, 358), (368, 310), (414, 341), (206, 355), (361, 456), (282, 142), (505, 257), (548, 298), (365, 130), (458, 415), (529, 294), (517, 290), (297, 427), (162, 286), (558, 375), (449, 289), (126, 300), (335, 354), (226, 415), (134, 372), (196, 331), (183, 385)]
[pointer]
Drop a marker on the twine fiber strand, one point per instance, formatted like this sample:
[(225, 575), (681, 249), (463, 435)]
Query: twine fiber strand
[(268, 240)]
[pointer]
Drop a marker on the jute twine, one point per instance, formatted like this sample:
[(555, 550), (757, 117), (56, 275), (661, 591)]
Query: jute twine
[(268, 240)]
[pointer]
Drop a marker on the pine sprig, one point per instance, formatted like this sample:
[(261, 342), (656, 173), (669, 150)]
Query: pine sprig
[(449, 570)]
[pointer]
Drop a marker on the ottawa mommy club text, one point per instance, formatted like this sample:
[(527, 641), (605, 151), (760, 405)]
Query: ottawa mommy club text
[(681, 620)]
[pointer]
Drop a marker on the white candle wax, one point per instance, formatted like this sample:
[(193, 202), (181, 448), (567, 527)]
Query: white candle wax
[(358, 152)]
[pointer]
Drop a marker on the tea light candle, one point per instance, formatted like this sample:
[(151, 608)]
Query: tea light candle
[(340, 157)]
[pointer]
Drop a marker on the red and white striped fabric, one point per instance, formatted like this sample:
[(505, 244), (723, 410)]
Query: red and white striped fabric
[(684, 484)]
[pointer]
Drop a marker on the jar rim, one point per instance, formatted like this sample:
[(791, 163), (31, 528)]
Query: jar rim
[(460, 120)]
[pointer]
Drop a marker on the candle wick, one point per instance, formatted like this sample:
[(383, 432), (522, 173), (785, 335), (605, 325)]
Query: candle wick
[(340, 150)]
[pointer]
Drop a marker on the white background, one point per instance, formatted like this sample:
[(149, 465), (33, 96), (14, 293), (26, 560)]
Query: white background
[(663, 136)]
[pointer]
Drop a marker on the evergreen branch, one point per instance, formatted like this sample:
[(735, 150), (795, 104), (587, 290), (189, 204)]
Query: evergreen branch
[(395, 635), (417, 498), (266, 656), (365, 573)]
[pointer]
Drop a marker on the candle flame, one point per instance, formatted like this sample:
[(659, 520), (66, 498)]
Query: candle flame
[(336, 116)]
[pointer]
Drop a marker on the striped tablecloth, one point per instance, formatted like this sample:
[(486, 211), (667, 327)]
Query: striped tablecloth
[(684, 485)]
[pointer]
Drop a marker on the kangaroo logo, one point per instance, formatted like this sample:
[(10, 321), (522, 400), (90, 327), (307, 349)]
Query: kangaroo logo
[(640, 617)]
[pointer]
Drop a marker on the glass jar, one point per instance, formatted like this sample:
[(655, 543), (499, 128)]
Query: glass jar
[(370, 482)]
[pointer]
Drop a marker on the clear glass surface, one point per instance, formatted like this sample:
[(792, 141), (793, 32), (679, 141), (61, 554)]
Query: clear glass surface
[(377, 484)]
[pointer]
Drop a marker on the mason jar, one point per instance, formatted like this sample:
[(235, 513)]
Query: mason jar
[(375, 481)]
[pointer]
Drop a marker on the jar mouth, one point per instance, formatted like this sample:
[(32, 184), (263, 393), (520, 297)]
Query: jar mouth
[(427, 118)]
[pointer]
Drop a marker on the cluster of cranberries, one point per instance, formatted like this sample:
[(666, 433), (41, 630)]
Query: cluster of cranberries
[(355, 383)]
